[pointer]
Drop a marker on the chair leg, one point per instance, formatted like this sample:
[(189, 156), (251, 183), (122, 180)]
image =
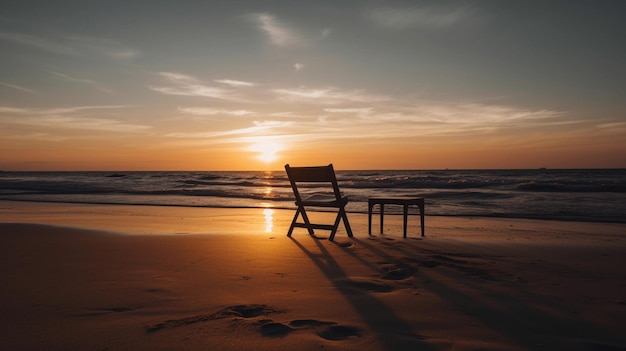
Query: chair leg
[(305, 218), (335, 226), (344, 215), (341, 215), (293, 222)]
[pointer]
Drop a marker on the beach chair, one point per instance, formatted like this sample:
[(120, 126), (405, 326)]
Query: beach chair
[(312, 181)]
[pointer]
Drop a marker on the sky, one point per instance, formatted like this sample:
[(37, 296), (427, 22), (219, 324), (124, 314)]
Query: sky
[(253, 85)]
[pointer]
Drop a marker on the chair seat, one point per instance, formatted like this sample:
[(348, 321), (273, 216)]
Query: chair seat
[(323, 200)]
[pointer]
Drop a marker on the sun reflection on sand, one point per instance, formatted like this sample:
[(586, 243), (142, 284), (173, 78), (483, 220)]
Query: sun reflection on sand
[(269, 219)]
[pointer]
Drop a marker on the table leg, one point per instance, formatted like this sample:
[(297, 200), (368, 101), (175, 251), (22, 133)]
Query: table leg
[(406, 214), (369, 218), (422, 218), (382, 211)]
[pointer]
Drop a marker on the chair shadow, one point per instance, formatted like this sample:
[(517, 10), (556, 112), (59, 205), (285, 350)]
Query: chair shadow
[(372, 311), (523, 320)]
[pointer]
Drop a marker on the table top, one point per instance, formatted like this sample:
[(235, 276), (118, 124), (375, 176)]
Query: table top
[(396, 199)]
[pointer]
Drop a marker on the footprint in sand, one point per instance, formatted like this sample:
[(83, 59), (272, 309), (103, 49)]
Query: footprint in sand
[(360, 284), (398, 271), (309, 323), (344, 244), (247, 311), (339, 332), (241, 311), (332, 331), (267, 327), (94, 312), (275, 330)]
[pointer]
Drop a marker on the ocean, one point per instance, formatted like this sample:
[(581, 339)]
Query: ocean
[(576, 195)]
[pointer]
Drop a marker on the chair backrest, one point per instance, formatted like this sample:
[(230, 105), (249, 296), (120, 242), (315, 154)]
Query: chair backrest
[(315, 174)]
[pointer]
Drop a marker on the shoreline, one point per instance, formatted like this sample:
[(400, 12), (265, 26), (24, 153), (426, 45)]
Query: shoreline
[(5, 205), (132, 277)]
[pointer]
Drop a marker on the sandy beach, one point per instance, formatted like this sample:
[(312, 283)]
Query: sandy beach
[(106, 277)]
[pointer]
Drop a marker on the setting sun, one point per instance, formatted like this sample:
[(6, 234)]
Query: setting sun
[(267, 151)]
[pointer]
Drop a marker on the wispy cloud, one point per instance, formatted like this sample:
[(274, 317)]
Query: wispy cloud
[(235, 83), (286, 114), (258, 128), (17, 87), (612, 129), (55, 110), (469, 113), (89, 82), (107, 47), (354, 110), (88, 123), (73, 45), (299, 66), (185, 85), (49, 45), (47, 137), (327, 96), (68, 118), (386, 120), (433, 17), (204, 111), (278, 33)]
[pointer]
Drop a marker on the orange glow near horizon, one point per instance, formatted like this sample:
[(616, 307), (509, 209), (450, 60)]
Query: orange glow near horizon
[(351, 155)]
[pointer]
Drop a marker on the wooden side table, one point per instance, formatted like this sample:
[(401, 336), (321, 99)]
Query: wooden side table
[(405, 201)]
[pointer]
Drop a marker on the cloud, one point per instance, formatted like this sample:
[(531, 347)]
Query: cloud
[(54, 111), (357, 110), (74, 45), (327, 96), (17, 87), (185, 85), (204, 111), (299, 66), (433, 17), (99, 124), (278, 33), (612, 125), (259, 127), (39, 43), (106, 47), (89, 82), (385, 121), (283, 114), (47, 137), (475, 113), (68, 118), (235, 83)]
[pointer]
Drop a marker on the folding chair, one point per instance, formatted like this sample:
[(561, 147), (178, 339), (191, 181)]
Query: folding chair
[(314, 178)]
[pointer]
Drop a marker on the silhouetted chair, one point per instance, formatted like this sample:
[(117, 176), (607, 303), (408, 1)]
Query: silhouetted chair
[(314, 178)]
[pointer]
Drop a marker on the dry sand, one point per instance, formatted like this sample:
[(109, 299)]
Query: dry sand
[(87, 277)]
